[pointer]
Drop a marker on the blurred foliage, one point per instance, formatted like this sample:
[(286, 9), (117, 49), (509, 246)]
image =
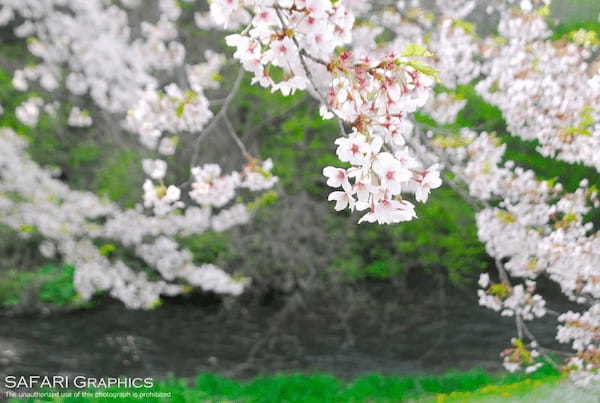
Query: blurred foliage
[(58, 287), (444, 237), (119, 178), (13, 285), (16, 251), (264, 200), (86, 157), (564, 31), (52, 285), (207, 247), (324, 388)]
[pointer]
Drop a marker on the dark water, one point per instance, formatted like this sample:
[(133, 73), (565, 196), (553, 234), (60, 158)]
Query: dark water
[(373, 331)]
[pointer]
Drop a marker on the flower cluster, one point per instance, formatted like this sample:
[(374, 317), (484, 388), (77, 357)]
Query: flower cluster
[(376, 97), (79, 118), (511, 301), (29, 111), (173, 111), (281, 34), (378, 179), (547, 91), (583, 331), (521, 356), (72, 222), (93, 40), (211, 188)]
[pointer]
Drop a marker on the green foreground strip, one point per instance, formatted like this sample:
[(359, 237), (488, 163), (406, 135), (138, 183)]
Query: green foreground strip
[(475, 385)]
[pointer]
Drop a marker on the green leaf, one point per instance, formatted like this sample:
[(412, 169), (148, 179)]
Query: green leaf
[(423, 68), (180, 109), (415, 50)]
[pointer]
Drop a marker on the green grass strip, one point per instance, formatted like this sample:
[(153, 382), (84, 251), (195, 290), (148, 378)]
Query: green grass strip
[(453, 386)]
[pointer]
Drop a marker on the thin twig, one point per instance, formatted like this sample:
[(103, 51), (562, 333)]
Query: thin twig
[(235, 137), (222, 112), (302, 52)]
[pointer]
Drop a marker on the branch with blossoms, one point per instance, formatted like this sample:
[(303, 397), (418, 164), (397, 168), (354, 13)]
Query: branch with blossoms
[(521, 220), (513, 300), (518, 301), (374, 97)]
